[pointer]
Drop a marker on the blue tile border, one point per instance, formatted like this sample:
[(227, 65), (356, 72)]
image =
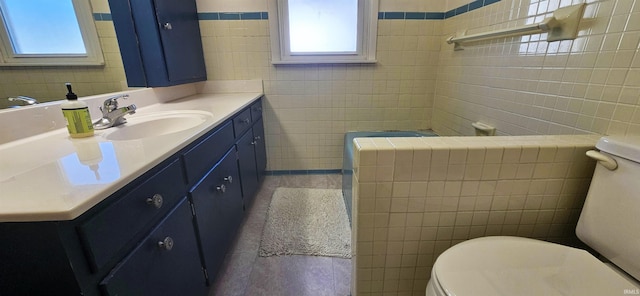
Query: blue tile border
[(208, 16), (302, 172), (102, 17), (434, 15), (251, 16), (385, 15), (415, 15), (224, 16), (399, 15), (392, 15), (475, 5), (462, 9), (469, 7), (450, 13), (229, 16)]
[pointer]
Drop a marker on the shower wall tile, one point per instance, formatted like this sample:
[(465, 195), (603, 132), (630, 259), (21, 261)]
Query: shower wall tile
[(526, 86), (308, 108), (462, 188)]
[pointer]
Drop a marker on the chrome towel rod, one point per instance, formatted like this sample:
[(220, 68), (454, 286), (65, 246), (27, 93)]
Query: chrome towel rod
[(563, 25)]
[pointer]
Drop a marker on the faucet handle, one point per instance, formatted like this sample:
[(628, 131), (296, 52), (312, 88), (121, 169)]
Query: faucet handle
[(122, 96), (24, 99), (114, 99), (111, 103)]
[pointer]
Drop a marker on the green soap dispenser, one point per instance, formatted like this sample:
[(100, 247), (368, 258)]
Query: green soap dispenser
[(77, 115)]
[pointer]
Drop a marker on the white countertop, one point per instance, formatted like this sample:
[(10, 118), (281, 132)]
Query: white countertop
[(52, 177)]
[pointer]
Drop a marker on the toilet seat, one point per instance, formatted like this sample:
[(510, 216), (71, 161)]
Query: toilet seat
[(520, 266)]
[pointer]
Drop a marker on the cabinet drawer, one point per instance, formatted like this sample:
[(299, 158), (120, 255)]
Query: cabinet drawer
[(165, 263), (199, 160), (256, 110), (108, 231), (242, 122)]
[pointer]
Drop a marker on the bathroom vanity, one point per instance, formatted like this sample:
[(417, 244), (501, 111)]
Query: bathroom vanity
[(156, 217)]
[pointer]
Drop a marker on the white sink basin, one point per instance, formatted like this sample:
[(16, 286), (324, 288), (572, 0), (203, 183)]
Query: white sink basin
[(155, 124)]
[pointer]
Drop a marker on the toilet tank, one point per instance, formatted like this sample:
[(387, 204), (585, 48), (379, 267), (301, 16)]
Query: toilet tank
[(610, 219)]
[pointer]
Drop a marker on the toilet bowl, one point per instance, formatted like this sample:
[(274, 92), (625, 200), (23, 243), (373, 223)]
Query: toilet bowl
[(504, 265), (609, 223)]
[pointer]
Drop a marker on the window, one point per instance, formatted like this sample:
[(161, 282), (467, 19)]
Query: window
[(323, 31), (48, 33)]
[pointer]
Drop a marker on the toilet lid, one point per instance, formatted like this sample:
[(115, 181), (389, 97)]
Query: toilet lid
[(521, 266)]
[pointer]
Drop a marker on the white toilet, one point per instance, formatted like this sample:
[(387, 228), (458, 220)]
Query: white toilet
[(609, 223)]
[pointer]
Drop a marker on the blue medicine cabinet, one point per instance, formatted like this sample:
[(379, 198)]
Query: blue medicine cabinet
[(159, 41)]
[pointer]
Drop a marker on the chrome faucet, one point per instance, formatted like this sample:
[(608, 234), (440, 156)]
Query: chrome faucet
[(111, 114), (28, 101)]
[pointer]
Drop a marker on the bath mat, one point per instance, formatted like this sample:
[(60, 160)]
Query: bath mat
[(306, 221)]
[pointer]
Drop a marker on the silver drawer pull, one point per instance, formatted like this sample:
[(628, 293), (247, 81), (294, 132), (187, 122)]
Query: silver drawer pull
[(246, 120), (156, 201), (166, 244), (221, 188), (256, 138), (229, 179), (167, 26)]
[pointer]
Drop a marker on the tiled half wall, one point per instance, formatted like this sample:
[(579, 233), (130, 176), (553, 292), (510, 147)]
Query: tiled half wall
[(416, 197)]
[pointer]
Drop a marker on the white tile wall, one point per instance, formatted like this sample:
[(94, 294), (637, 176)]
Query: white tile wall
[(309, 108), (413, 5), (416, 197), (232, 5), (524, 85)]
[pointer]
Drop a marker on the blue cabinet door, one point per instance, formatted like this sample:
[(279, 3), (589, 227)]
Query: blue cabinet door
[(248, 168), (217, 202), (159, 41), (164, 263), (260, 149), (181, 39)]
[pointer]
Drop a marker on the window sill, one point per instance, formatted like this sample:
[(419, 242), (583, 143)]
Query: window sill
[(57, 64), (276, 63)]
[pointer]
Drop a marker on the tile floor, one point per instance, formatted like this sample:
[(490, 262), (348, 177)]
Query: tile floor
[(245, 273)]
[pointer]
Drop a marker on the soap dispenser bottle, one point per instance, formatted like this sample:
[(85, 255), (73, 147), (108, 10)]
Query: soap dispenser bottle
[(77, 115)]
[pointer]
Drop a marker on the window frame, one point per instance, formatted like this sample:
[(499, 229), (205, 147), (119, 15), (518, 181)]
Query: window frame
[(366, 43), (93, 57)]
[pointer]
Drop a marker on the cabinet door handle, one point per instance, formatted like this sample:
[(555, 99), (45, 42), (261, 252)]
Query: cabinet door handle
[(257, 138), (246, 120), (229, 179), (156, 201), (167, 26), (166, 244), (258, 109), (221, 188)]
